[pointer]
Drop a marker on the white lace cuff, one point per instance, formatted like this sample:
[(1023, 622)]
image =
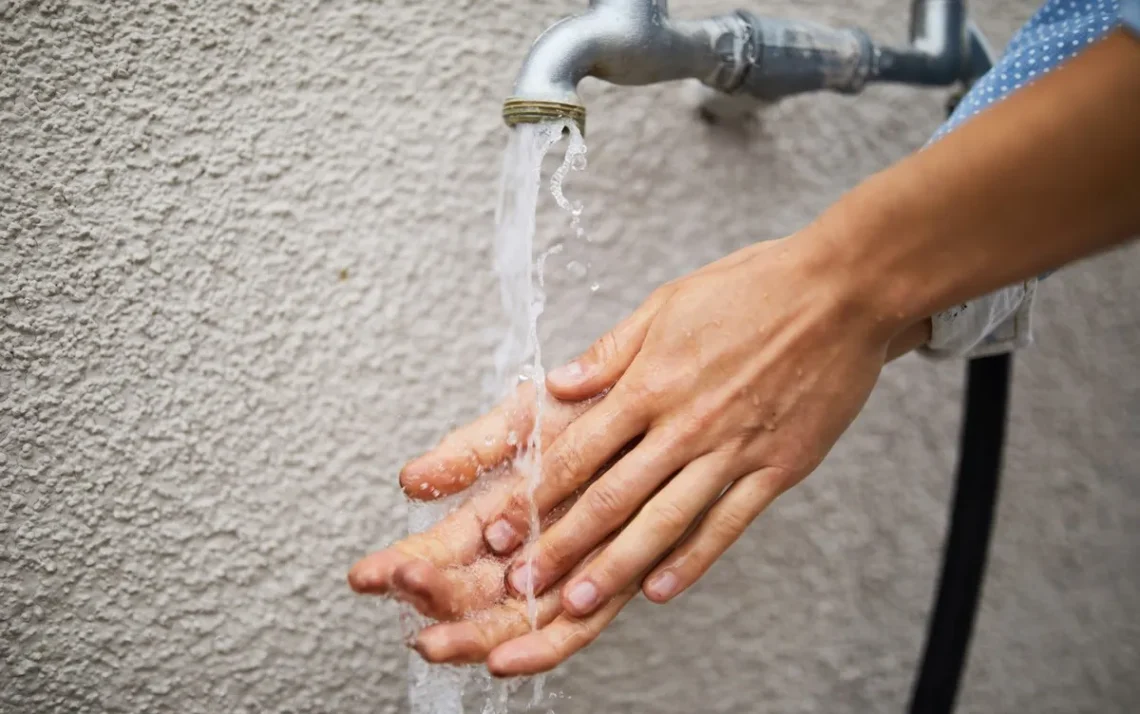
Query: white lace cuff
[(992, 324)]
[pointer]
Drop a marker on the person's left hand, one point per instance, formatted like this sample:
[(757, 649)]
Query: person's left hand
[(447, 572)]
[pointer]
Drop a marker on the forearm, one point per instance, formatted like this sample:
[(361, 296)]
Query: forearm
[(1048, 176)]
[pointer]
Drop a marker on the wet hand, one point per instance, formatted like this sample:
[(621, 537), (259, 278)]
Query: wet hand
[(448, 574), (735, 382)]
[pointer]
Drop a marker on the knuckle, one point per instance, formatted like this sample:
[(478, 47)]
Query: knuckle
[(708, 409), (729, 525), (567, 467), (611, 571), (690, 428), (650, 389), (671, 516), (605, 503), (517, 508), (557, 555), (605, 348)]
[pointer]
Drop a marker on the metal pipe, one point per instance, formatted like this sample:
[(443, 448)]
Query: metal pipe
[(938, 49), (636, 42)]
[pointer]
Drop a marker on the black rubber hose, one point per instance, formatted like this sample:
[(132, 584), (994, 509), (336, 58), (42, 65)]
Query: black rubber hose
[(968, 537)]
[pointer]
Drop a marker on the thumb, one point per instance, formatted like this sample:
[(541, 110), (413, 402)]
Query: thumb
[(603, 364)]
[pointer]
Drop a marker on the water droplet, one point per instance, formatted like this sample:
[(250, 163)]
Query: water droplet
[(577, 269), (594, 287), (512, 438), (489, 441)]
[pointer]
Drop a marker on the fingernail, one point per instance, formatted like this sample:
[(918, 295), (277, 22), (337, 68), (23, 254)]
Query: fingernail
[(519, 577), (568, 373), (582, 597), (663, 585), (501, 536)]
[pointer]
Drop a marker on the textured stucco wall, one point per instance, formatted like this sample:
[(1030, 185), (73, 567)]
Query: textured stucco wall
[(244, 274)]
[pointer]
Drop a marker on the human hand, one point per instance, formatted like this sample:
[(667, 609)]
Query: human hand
[(447, 572), (449, 575), (738, 380)]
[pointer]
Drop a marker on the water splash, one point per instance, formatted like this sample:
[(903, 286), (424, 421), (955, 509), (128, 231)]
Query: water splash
[(575, 161), (432, 689), (518, 358)]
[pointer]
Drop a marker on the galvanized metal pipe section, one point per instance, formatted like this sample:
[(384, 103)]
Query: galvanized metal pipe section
[(635, 42)]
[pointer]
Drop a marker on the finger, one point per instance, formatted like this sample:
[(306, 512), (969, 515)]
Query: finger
[(572, 460), (609, 502), (719, 529), (469, 452), (546, 648), (451, 593), (456, 540), (471, 640), (600, 367), (657, 528)]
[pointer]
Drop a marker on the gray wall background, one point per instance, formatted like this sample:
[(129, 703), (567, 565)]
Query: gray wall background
[(244, 274)]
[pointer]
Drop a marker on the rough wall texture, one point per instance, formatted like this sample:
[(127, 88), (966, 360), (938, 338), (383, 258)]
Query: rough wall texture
[(244, 274)]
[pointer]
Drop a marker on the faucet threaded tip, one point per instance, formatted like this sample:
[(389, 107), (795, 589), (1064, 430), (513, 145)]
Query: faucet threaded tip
[(529, 111)]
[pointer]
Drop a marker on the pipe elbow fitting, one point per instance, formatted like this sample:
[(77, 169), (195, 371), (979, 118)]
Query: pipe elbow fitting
[(625, 42), (546, 88)]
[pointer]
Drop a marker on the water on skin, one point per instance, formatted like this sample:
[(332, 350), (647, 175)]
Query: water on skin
[(518, 357)]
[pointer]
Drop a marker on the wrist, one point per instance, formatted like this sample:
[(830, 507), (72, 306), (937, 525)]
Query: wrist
[(848, 250)]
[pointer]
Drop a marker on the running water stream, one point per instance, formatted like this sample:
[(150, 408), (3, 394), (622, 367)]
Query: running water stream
[(439, 690), (522, 285)]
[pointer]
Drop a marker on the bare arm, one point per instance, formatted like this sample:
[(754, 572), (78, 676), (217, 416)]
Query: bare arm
[(1048, 176)]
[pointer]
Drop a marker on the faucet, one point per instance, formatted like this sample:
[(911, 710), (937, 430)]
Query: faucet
[(636, 42)]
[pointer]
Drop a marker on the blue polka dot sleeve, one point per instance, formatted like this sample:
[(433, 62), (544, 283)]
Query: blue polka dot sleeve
[(1000, 322)]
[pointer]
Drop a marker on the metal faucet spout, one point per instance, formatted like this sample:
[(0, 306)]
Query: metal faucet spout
[(626, 42)]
